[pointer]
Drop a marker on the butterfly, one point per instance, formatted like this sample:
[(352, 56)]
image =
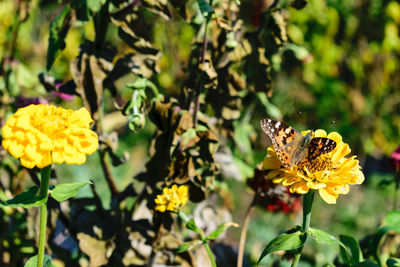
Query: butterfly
[(293, 148)]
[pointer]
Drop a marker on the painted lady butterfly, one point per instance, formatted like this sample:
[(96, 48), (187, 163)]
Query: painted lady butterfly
[(291, 147)]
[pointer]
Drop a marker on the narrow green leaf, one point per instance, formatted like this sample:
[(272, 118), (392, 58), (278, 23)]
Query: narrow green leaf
[(26, 199), (284, 241), (32, 262), (353, 254), (392, 220), (392, 262), (188, 246), (220, 229), (62, 192), (58, 31), (205, 7)]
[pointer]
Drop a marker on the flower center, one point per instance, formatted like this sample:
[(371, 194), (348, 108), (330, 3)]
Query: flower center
[(321, 163), (49, 120)]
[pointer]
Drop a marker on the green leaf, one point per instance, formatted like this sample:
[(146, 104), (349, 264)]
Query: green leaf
[(392, 220), (376, 240), (58, 31), (205, 7), (191, 225), (32, 262), (323, 237), (62, 192), (353, 254), (85, 9), (220, 229), (285, 241), (366, 263), (26, 199), (188, 246), (392, 262)]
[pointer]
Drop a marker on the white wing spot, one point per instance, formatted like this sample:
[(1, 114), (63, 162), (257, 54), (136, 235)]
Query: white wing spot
[(277, 125), (287, 130), (272, 130), (268, 120)]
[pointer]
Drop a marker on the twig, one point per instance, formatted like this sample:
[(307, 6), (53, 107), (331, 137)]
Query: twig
[(107, 173), (243, 232), (202, 60), (200, 83)]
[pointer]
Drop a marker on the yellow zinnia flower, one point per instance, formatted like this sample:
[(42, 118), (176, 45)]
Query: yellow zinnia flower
[(172, 199), (42, 134), (330, 174)]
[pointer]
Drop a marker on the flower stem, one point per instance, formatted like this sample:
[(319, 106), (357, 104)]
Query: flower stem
[(44, 187), (210, 254), (307, 205), (186, 219)]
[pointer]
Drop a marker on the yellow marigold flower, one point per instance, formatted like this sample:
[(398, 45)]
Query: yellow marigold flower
[(172, 199), (42, 134), (330, 174)]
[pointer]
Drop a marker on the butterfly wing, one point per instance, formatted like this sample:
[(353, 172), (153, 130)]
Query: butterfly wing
[(320, 146), (284, 138)]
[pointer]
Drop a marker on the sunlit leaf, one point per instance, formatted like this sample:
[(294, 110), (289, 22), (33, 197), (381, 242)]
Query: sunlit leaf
[(58, 31), (353, 254), (62, 192), (323, 237), (191, 225), (32, 262), (392, 220), (188, 246), (284, 241), (220, 229)]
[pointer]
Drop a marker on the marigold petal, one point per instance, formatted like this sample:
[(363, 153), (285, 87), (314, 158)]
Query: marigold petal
[(299, 188), (7, 132), (340, 151), (290, 180), (16, 149), (327, 196), (57, 157), (335, 137), (320, 133), (315, 186), (80, 118), (27, 163), (271, 163), (360, 177)]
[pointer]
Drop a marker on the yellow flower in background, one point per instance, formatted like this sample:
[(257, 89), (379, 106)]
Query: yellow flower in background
[(42, 134), (330, 174), (172, 199)]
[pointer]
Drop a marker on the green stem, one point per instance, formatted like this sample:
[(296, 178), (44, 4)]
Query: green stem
[(396, 192), (44, 188), (307, 205), (210, 254)]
